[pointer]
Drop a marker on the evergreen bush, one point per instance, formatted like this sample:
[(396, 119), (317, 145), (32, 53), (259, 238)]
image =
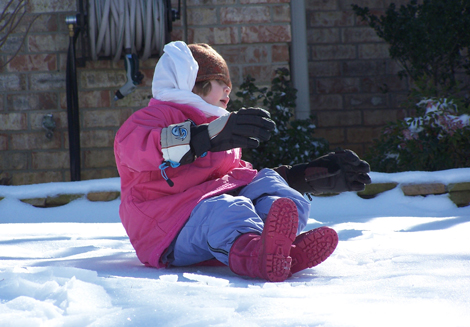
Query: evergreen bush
[(430, 41)]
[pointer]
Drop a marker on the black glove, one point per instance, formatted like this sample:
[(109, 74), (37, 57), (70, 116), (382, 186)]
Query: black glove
[(335, 172), (240, 129)]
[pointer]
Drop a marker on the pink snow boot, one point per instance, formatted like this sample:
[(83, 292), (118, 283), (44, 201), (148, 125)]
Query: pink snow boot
[(312, 248), (267, 255)]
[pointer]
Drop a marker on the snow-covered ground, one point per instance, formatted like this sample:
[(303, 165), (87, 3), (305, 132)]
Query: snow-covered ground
[(401, 261)]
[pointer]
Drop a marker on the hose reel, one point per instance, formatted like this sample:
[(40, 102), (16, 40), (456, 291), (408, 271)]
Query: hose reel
[(131, 29), (129, 26)]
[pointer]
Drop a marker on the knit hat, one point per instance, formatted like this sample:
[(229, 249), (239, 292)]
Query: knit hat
[(211, 64)]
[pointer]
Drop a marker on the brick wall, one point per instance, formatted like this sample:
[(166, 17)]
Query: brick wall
[(252, 35), (347, 67), (354, 87)]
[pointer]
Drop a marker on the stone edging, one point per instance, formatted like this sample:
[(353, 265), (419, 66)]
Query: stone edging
[(459, 193)]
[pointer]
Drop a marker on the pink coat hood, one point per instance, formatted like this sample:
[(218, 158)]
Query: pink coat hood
[(151, 211)]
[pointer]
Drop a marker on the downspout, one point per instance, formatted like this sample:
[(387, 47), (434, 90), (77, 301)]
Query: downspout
[(299, 61)]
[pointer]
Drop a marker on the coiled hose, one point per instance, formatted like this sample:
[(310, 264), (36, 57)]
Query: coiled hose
[(135, 26)]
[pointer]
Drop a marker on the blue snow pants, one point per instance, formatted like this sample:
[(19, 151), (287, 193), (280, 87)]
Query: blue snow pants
[(217, 222)]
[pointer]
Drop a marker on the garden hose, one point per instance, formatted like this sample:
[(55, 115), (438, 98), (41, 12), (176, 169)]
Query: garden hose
[(132, 26)]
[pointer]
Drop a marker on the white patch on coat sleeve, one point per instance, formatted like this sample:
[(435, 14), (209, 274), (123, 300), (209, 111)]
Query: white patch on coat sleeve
[(175, 141)]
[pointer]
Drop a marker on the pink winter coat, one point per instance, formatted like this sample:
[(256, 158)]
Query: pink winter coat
[(151, 211)]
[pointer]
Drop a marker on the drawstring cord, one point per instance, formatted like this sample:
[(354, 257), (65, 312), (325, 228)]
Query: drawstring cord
[(164, 166)]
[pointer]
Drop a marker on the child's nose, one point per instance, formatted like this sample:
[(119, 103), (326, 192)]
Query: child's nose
[(227, 90)]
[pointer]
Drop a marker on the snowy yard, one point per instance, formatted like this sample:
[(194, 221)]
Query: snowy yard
[(401, 261)]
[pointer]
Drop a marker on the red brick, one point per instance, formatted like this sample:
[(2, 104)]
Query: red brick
[(12, 121), (376, 84), (35, 62), (100, 64), (330, 18), (148, 77), (38, 6), (326, 101), (281, 13), (94, 99), (365, 101), (365, 67), (47, 81), (323, 35), (98, 79), (380, 117), (266, 34), (332, 52), (60, 118), (245, 15), (99, 173), (359, 35), (339, 118), (201, 16), (34, 141), (37, 177), (319, 5), (337, 85), (137, 99), (280, 53), (50, 160), (14, 161), (324, 68), (12, 82), (190, 3), (263, 1), (373, 51), (99, 158), (48, 43), (177, 34), (246, 54), (32, 101), (105, 117), (213, 35), (97, 138), (262, 74), (346, 4), (42, 23), (3, 142)]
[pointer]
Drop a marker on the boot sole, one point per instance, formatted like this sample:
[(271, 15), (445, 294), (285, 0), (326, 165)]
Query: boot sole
[(312, 248), (278, 234)]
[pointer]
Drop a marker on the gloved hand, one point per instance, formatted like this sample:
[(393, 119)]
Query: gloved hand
[(241, 129), (335, 172), (182, 143)]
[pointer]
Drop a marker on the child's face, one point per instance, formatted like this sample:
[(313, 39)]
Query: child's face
[(219, 94)]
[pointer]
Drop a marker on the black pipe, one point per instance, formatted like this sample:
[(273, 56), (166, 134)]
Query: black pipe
[(72, 106)]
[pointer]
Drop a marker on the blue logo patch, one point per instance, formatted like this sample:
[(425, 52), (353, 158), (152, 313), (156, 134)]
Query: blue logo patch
[(179, 132)]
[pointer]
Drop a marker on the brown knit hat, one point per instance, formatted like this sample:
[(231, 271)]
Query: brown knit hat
[(211, 64)]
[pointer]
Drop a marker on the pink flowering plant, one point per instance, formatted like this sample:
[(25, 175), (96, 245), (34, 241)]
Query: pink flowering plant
[(437, 138)]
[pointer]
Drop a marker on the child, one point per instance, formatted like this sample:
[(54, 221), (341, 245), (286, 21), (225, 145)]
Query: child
[(187, 197)]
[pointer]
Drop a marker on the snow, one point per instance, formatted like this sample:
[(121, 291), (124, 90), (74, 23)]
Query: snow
[(401, 261)]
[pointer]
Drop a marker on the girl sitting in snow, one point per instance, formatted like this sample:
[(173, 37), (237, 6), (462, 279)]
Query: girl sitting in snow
[(187, 197)]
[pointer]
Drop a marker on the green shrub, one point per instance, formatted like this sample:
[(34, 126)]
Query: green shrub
[(292, 141), (430, 40), (437, 139)]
